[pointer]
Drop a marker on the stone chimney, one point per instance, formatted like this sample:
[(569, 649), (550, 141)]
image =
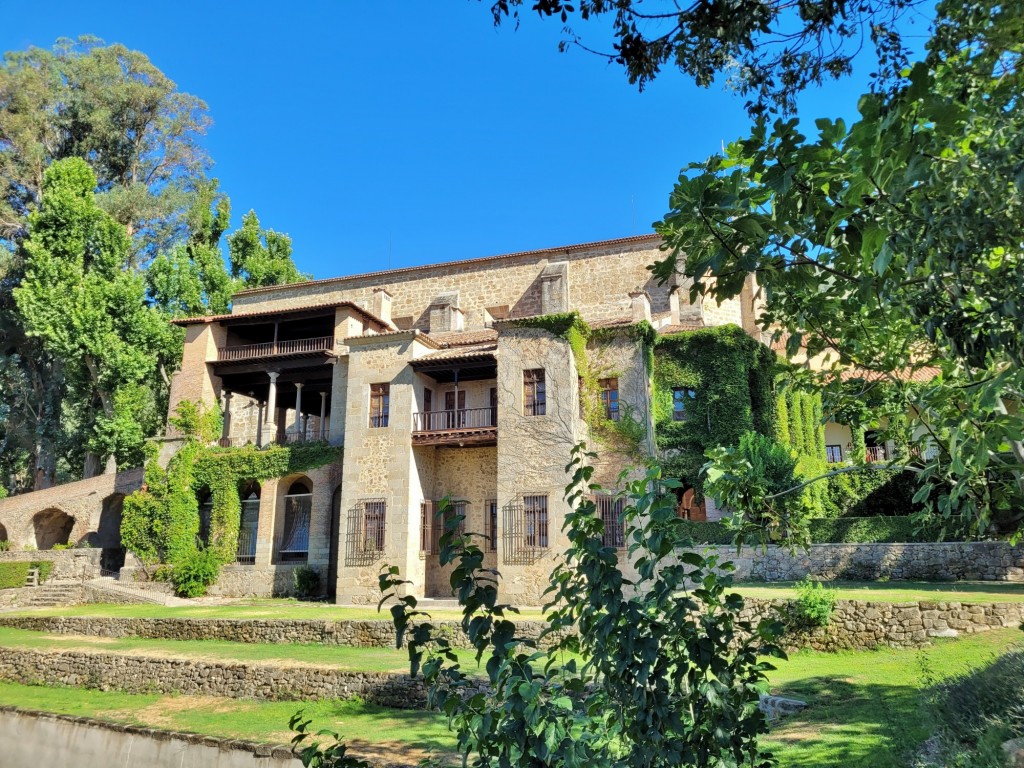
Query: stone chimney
[(381, 306), (444, 313), (640, 306), (554, 288)]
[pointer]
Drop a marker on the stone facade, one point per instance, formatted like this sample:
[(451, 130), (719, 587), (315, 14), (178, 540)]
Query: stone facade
[(952, 561)]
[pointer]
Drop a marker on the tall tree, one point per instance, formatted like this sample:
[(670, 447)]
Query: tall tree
[(769, 49), (89, 310), (262, 256), (894, 244)]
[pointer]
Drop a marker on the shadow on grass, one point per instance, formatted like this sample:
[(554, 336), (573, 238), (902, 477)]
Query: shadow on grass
[(850, 725)]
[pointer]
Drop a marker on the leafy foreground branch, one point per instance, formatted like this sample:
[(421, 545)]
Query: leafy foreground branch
[(645, 662)]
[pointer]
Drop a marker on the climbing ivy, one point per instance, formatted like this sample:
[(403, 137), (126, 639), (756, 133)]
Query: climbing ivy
[(732, 376), (628, 433), (801, 427), (161, 520)]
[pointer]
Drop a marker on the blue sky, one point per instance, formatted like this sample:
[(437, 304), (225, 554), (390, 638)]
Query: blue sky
[(385, 134)]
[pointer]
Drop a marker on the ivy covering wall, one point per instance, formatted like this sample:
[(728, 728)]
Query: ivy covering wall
[(732, 379), (160, 523), (801, 427)]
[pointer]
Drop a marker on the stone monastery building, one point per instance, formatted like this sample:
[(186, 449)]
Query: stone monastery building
[(454, 380)]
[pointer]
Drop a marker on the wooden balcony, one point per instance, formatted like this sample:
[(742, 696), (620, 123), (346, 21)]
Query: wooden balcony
[(294, 348), (468, 426)]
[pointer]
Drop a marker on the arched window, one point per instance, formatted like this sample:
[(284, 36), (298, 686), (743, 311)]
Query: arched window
[(298, 506), (248, 525)]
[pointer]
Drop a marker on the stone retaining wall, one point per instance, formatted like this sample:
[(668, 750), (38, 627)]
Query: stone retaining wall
[(261, 681), (355, 634), (952, 561), (858, 625), (855, 625), (68, 564)]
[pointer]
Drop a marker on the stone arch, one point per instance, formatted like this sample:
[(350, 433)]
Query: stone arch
[(248, 524), (297, 508), (51, 527), (108, 533)]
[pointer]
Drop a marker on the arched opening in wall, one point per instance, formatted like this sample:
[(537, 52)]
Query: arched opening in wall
[(108, 533), (205, 499), (3, 533), (332, 563), (248, 525), (51, 527), (689, 509), (293, 546)]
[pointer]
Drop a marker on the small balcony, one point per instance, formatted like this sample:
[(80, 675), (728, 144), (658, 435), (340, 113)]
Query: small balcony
[(293, 348), (465, 426)]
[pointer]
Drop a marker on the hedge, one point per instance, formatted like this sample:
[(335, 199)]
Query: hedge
[(14, 574), (869, 493), (847, 530)]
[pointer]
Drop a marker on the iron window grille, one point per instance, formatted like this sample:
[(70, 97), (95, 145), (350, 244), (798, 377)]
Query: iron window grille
[(491, 509), (365, 533), (610, 509), (433, 526)]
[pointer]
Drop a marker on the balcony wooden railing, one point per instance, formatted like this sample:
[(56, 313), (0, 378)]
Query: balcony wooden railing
[(446, 421), (875, 453), (274, 348)]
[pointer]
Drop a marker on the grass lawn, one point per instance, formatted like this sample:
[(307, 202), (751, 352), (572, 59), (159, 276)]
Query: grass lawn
[(867, 708), (899, 591), (392, 734), (357, 659), (242, 609)]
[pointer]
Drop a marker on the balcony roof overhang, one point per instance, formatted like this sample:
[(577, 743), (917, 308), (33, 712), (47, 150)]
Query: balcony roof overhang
[(452, 365), (280, 315)]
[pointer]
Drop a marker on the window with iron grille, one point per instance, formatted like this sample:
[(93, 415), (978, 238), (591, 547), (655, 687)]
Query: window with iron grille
[(380, 404), (534, 392), (682, 397), (833, 453), (365, 532), (610, 509), (610, 398), (433, 526), (535, 517), (491, 524)]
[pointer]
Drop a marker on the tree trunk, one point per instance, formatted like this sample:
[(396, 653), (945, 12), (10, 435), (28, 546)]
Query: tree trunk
[(91, 468)]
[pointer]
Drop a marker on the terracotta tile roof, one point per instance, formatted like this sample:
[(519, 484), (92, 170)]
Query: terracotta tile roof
[(681, 327), (461, 338), (921, 375), (412, 333), (461, 353), (271, 312), (564, 249), (621, 321)]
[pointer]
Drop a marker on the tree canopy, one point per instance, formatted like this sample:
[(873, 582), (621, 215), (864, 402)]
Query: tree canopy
[(893, 246), (769, 49)]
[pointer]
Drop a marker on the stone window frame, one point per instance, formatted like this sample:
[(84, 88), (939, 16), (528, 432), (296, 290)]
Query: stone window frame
[(534, 392), (610, 397), (380, 405), (536, 521)]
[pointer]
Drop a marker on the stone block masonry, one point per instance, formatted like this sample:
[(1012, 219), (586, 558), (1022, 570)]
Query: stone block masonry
[(266, 682)]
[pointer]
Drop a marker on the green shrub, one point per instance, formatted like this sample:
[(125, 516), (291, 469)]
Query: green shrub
[(814, 604), (196, 572), (5, 545), (306, 582), (847, 530), (868, 493), (13, 575), (62, 547)]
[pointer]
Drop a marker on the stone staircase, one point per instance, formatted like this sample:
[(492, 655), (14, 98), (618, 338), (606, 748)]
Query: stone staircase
[(121, 592), (55, 593)]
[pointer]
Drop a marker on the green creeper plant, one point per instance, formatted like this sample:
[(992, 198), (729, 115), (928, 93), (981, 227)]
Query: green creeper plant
[(652, 670), (892, 244)]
